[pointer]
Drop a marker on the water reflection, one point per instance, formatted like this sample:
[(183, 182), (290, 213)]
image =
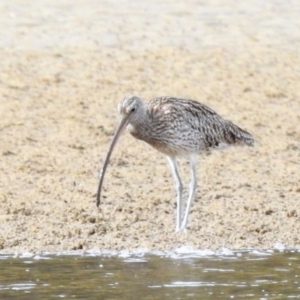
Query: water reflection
[(244, 275)]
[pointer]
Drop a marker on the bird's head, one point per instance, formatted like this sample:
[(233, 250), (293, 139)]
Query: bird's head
[(131, 108)]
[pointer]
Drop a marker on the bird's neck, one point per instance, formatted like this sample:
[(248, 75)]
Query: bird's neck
[(140, 128)]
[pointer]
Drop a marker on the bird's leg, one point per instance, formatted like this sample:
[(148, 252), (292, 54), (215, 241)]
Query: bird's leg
[(193, 186), (179, 187)]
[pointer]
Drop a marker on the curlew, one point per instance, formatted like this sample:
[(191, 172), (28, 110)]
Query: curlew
[(176, 127)]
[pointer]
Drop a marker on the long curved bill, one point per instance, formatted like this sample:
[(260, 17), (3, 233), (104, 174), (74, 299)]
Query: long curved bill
[(122, 126)]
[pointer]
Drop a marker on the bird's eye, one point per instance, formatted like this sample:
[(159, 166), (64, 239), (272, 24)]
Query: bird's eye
[(133, 109)]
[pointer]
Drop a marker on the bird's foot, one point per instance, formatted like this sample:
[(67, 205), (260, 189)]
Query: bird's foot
[(181, 229)]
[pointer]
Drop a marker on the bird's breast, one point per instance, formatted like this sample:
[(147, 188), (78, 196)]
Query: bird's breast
[(135, 132)]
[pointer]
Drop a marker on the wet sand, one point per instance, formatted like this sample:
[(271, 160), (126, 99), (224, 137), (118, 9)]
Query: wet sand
[(62, 74)]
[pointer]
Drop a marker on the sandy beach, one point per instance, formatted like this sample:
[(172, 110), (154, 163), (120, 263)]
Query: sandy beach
[(65, 66)]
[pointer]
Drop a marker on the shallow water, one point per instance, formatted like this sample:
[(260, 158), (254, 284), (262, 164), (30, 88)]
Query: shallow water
[(199, 275)]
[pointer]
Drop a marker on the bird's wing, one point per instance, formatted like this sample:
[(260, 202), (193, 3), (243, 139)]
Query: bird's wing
[(191, 111), (211, 128)]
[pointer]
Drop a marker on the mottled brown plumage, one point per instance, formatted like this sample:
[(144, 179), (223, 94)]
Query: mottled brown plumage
[(176, 127), (179, 127)]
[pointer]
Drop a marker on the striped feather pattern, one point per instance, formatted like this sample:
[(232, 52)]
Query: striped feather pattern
[(177, 126)]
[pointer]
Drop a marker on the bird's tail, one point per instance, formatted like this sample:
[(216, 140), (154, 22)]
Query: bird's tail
[(237, 135)]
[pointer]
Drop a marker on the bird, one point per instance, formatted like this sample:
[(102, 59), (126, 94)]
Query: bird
[(177, 128)]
